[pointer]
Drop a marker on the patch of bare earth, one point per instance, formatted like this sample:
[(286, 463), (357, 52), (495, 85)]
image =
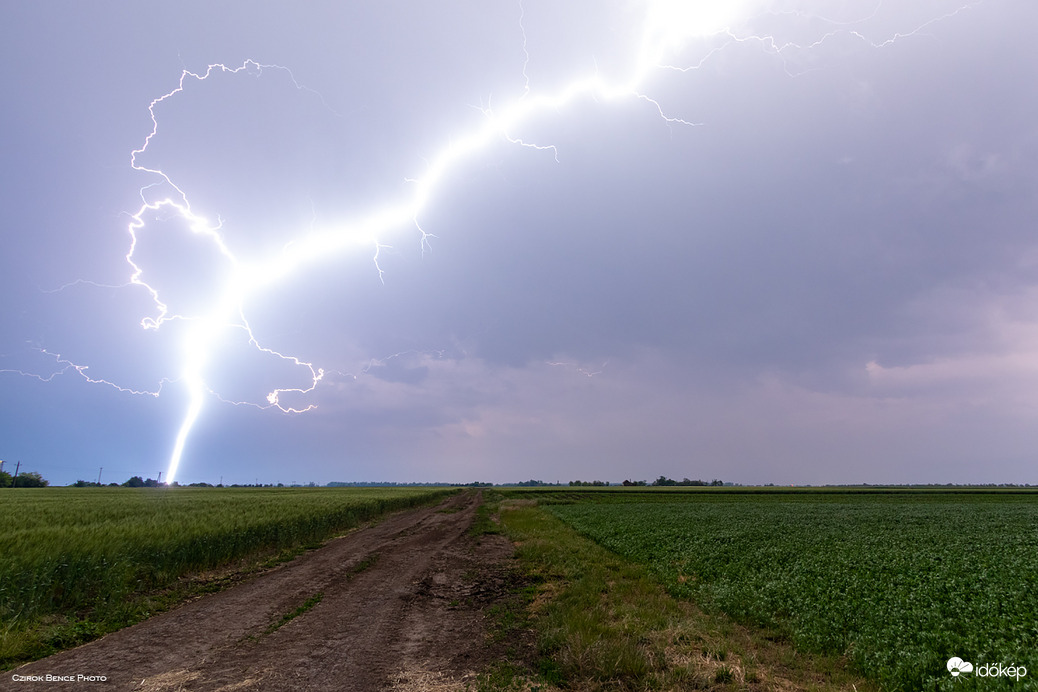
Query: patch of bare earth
[(402, 605)]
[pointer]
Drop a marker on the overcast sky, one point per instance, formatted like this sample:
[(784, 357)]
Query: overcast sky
[(828, 275)]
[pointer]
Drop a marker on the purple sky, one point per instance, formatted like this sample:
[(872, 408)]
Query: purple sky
[(831, 276)]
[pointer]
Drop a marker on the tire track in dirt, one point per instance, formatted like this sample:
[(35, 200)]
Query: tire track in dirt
[(407, 593)]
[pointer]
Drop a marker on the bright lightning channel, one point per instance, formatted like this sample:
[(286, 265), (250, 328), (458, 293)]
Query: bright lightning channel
[(668, 28)]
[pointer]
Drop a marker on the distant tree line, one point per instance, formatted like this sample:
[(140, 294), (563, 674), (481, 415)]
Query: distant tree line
[(390, 484), (31, 479), (138, 482), (28, 479), (663, 480)]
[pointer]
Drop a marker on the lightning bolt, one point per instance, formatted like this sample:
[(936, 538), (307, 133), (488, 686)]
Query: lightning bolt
[(64, 366), (670, 30), (586, 372)]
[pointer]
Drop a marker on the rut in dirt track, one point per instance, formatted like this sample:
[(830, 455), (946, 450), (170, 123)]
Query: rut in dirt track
[(408, 593)]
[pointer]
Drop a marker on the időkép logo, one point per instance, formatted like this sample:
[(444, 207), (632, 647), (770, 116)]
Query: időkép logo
[(957, 667)]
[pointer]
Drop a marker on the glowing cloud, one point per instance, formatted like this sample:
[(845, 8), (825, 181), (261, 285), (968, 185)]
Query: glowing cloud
[(669, 27)]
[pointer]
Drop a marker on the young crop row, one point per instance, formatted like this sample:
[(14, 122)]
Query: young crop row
[(71, 551), (900, 585)]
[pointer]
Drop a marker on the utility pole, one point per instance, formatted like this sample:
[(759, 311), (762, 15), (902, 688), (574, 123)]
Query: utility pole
[(14, 481), (159, 479), (99, 474)]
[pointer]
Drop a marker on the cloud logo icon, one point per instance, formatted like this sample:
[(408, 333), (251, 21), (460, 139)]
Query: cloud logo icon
[(956, 666)]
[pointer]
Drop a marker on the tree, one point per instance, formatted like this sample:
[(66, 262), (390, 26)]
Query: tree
[(135, 482), (5, 479), (30, 479)]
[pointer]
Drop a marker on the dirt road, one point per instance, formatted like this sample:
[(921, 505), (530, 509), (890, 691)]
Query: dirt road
[(401, 600)]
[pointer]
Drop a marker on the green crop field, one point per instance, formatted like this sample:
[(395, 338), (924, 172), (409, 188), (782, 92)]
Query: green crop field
[(77, 562), (898, 582)]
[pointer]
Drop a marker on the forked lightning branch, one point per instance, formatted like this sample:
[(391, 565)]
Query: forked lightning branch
[(668, 31)]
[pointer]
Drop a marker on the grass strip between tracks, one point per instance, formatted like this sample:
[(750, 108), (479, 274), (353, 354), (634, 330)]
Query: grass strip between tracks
[(290, 616)]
